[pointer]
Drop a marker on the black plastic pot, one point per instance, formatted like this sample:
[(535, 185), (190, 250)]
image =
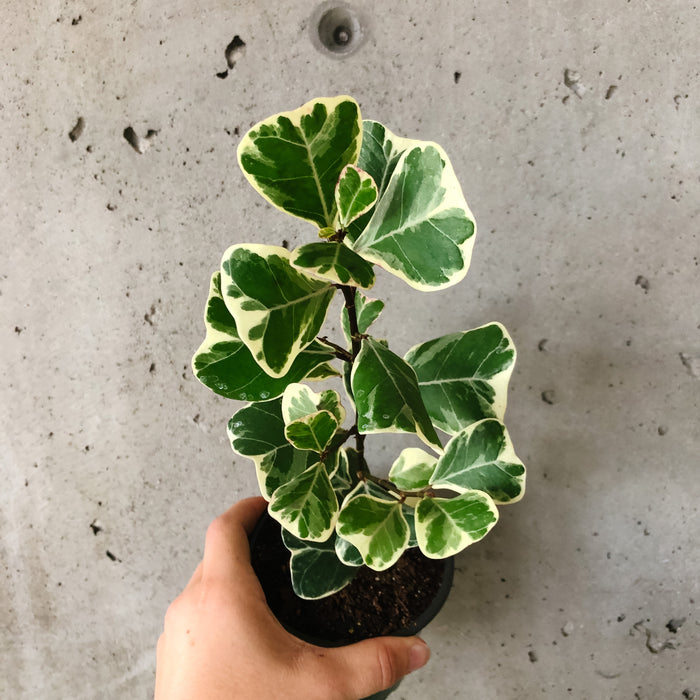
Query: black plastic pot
[(414, 627)]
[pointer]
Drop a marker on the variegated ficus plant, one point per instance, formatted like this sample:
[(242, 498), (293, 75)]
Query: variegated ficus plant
[(373, 199)]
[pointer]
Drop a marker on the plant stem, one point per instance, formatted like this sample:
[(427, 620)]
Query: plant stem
[(356, 340), (356, 346), (340, 353), (349, 294)]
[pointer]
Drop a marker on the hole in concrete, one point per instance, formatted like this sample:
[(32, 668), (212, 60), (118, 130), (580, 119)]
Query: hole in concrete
[(234, 50), (77, 130), (140, 145), (336, 29)]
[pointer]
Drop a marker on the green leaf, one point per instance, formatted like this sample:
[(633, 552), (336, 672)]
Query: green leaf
[(299, 401), (294, 159), (409, 512), (257, 432), (344, 478), (313, 432), (421, 229), (348, 553), (355, 194), (335, 262), (380, 152), (376, 527), (482, 457), (306, 505), (225, 365), (316, 569), (413, 469), (367, 311), (323, 371), (365, 487), (463, 377), (278, 310), (386, 395), (445, 526), (347, 376)]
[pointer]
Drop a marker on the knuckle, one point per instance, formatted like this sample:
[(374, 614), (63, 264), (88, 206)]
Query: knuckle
[(386, 666), (215, 529)]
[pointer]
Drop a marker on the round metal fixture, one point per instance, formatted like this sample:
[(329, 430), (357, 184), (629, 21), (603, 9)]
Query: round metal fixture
[(336, 29)]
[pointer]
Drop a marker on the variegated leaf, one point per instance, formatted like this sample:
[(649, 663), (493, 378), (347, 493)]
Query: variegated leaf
[(347, 553), (413, 469), (409, 512), (366, 487), (299, 401), (366, 310), (312, 432), (294, 159), (306, 505), (376, 527), (345, 475), (316, 569), (278, 310), (335, 262), (257, 432), (463, 377), (445, 526), (482, 457), (225, 365), (355, 194), (421, 228), (379, 155), (385, 389)]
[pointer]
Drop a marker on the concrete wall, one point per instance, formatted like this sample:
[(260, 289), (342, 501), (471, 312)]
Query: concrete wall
[(114, 459)]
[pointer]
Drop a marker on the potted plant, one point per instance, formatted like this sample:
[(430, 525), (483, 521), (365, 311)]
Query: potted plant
[(373, 199)]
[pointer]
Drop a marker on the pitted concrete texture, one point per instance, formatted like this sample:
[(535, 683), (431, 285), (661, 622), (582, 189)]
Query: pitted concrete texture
[(574, 129)]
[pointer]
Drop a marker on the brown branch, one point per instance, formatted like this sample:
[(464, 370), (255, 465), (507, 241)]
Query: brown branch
[(340, 353)]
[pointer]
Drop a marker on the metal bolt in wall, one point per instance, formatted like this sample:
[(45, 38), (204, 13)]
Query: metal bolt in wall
[(336, 29)]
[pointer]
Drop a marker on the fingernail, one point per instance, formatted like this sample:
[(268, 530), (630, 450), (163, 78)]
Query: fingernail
[(418, 656)]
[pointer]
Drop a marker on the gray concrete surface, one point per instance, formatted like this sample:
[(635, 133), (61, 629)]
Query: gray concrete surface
[(114, 459)]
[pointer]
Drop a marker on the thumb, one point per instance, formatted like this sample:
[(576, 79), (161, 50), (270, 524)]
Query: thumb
[(376, 664)]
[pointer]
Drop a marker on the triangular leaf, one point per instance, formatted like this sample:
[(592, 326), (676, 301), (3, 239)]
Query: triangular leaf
[(421, 228), (379, 155), (306, 505), (367, 311), (312, 432), (482, 457), (345, 476), (366, 487), (257, 432), (335, 262), (299, 401), (347, 552), (225, 365), (463, 377), (445, 526), (316, 569), (278, 310), (413, 469), (323, 371), (355, 194), (294, 159), (385, 389), (376, 527)]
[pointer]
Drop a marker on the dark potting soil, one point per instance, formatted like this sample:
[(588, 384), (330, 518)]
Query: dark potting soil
[(373, 604)]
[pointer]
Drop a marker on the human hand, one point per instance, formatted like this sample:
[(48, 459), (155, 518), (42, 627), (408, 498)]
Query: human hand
[(222, 642)]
